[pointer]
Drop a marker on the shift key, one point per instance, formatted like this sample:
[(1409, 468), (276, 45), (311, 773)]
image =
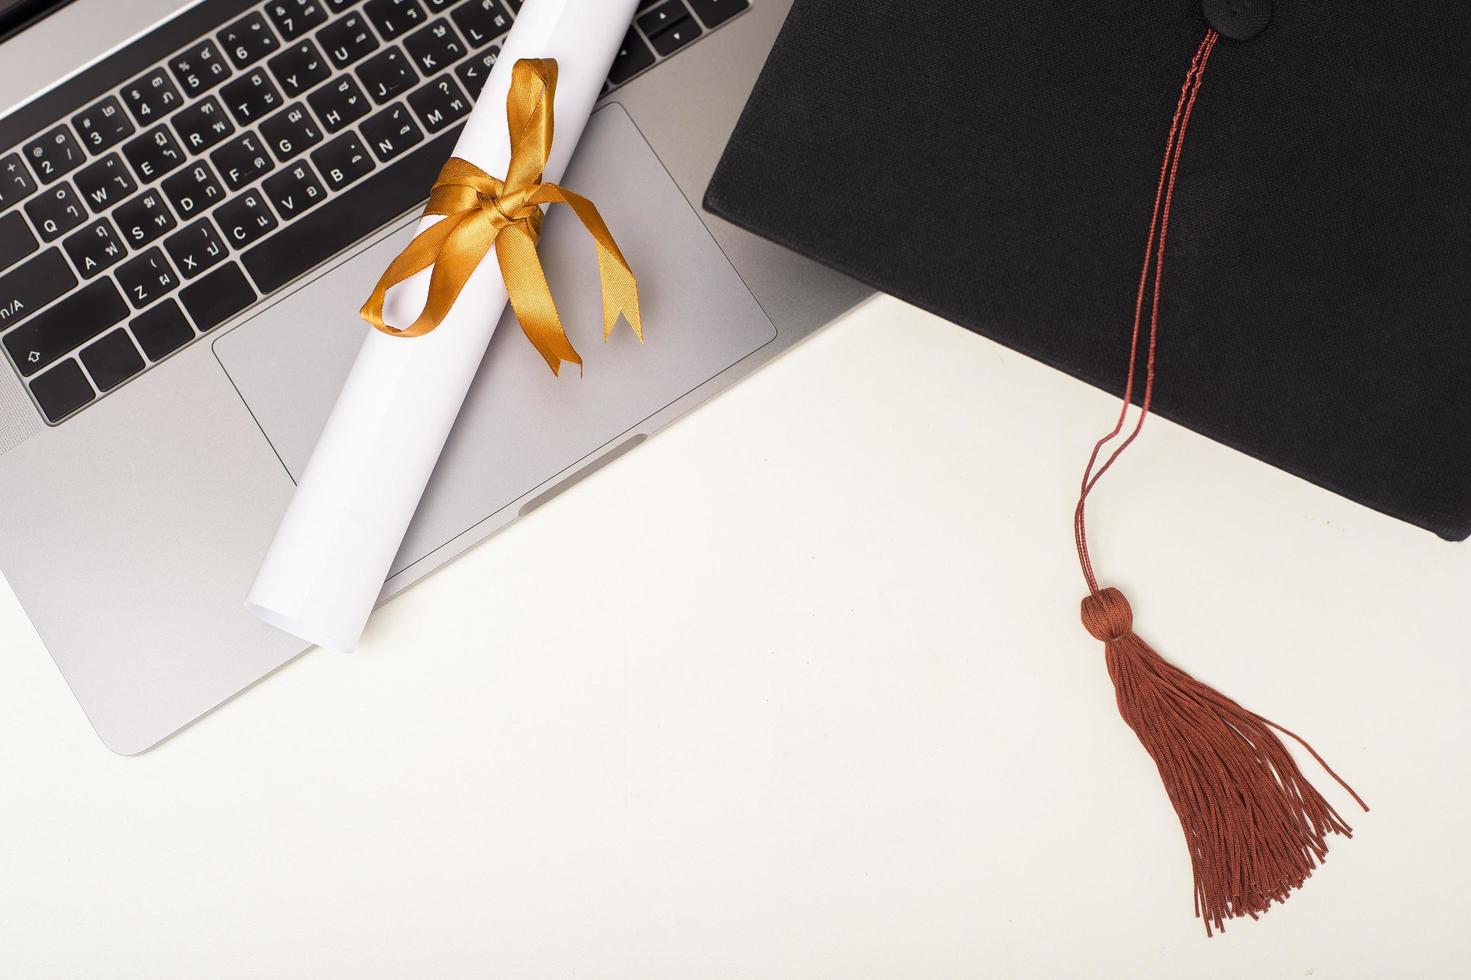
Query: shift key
[(60, 329), (27, 288)]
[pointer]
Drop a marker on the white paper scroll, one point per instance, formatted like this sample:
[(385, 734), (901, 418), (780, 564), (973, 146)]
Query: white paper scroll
[(332, 552)]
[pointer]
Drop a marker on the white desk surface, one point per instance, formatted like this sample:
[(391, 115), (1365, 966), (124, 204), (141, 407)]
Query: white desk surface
[(796, 689)]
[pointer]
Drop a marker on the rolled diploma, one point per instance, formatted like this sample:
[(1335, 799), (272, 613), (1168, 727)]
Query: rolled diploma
[(326, 567)]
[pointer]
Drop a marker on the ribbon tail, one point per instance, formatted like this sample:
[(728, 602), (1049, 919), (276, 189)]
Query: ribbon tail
[(620, 286), (531, 298)]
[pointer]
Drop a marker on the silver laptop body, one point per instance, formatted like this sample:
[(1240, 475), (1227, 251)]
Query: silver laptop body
[(168, 363)]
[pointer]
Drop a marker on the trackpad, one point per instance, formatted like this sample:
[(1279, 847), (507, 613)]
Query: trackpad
[(521, 426)]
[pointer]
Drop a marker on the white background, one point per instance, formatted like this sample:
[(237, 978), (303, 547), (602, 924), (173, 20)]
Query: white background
[(796, 689)]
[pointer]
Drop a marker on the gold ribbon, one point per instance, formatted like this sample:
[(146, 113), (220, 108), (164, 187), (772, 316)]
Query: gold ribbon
[(481, 212)]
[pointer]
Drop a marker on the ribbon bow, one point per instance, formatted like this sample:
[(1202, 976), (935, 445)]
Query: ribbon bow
[(481, 211)]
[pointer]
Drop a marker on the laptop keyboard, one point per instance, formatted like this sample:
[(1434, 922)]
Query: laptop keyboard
[(181, 180)]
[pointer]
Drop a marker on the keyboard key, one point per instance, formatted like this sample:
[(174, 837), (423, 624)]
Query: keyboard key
[(665, 15), (675, 36), (290, 131), (105, 182), (717, 12), (473, 73), (306, 242), (16, 240), (298, 68), (154, 154), (213, 300), (481, 21), (339, 104), (386, 74), (633, 57), (294, 190), (143, 219), (241, 161), (61, 328), (162, 330), (56, 212), (104, 125), (435, 6), (31, 286), (94, 248), (391, 132), (342, 161), (248, 40), (440, 104), (435, 47), (152, 97), (112, 360), (193, 190), (54, 155), (338, 6), (15, 181), (394, 17), (245, 219), (251, 96), (347, 40), (294, 18), (146, 277), (62, 391), (203, 124), (200, 68), (196, 248)]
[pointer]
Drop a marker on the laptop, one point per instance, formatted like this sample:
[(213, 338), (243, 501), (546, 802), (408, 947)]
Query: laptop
[(196, 197)]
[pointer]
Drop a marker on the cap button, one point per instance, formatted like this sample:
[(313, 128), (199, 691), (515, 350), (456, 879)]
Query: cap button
[(1239, 20)]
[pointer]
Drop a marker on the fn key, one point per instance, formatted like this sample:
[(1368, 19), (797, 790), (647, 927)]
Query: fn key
[(218, 296)]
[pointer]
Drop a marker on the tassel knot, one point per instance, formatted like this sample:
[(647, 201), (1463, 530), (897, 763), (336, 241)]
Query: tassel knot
[(1107, 615)]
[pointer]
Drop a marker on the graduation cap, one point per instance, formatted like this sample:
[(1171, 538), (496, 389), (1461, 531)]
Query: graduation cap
[(1308, 169)]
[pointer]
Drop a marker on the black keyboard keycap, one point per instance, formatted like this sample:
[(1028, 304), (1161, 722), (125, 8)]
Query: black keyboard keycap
[(144, 218), (392, 132), (248, 40), (294, 190), (298, 68), (94, 248), (200, 68), (154, 154), (473, 73), (217, 297), (16, 240), (203, 124), (105, 182), (717, 12), (162, 330), (245, 219), (434, 48), (293, 18), (251, 96), (339, 104), (666, 14), (196, 248), (386, 74), (633, 57), (56, 212), (104, 125), (363, 208), (338, 6), (146, 277), (54, 155), (62, 391), (29, 287), (290, 131), (193, 190), (481, 21), (112, 360), (152, 97), (342, 161), (15, 181), (241, 161), (394, 17), (674, 36), (59, 329), (347, 40), (440, 104)]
